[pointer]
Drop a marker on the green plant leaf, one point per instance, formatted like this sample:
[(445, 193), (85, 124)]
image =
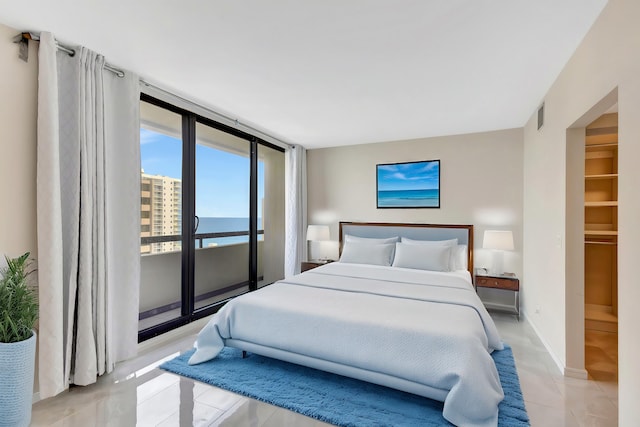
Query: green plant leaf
[(18, 301)]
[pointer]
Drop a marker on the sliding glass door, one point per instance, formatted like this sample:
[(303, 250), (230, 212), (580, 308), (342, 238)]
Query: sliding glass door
[(161, 147), (212, 215), (222, 184)]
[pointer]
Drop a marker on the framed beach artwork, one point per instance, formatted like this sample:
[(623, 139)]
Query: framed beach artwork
[(408, 185)]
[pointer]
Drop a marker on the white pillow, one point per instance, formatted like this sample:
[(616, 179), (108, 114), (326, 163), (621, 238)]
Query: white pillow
[(350, 238), (459, 259), (422, 257), (450, 242), (453, 263), (365, 253)]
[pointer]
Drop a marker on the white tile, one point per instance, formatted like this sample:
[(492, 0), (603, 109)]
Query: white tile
[(247, 412), (568, 385), (540, 389), (545, 416), (609, 388), (201, 388), (531, 361), (593, 421), (45, 414), (159, 407), (198, 414), (101, 413), (156, 385), (596, 406), (219, 398), (586, 398)]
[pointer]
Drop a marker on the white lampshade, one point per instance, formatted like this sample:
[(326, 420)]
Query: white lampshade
[(497, 239), (318, 232)]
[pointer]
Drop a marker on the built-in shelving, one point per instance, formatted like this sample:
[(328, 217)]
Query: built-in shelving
[(601, 223)]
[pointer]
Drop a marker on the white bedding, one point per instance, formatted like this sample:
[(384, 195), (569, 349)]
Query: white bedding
[(425, 327)]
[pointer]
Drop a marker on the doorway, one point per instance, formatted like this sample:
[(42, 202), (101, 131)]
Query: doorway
[(601, 247)]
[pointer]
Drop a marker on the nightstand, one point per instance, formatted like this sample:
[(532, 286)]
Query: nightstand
[(309, 265), (507, 282)]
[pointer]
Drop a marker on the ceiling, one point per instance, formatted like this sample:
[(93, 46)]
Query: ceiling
[(331, 72)]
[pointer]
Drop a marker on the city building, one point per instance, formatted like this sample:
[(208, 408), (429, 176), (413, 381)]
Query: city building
[(160, 213)]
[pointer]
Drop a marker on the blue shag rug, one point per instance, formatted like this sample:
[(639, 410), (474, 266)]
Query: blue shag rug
[(336, 399)]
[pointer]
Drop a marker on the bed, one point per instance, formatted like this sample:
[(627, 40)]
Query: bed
[(398, 310)]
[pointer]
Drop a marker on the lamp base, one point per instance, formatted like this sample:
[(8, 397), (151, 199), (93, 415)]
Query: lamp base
[(497, 266)]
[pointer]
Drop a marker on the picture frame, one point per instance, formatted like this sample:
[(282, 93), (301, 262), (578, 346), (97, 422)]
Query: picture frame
[(408, 185)]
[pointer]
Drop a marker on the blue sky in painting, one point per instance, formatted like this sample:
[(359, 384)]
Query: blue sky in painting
[(409, 176), (222, 179)]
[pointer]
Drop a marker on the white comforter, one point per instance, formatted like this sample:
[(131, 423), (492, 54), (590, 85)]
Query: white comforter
[(425, 327)]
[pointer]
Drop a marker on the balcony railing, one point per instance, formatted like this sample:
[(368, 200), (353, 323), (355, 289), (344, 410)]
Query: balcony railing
[(198, 237)]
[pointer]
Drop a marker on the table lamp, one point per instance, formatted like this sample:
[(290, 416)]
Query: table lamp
[(498, 241), (317, 233)]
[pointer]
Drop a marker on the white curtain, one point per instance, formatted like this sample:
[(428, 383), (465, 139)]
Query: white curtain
[(88, 198), (295, 249)]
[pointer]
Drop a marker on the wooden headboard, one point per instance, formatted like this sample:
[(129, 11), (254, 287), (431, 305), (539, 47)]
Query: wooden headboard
[(380, 230)]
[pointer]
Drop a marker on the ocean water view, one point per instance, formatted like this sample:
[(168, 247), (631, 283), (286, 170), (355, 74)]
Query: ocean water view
[(221, 225), (409, 198)]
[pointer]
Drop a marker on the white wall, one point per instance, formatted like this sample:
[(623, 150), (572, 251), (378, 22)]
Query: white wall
[(18, 115), (481, 184), (607, 58), (18, 107)]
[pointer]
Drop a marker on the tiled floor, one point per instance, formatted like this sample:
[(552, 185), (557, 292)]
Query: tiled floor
[(552, 399), (138, 393)]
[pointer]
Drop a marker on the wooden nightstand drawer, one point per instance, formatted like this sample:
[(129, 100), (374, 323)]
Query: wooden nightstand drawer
[(504, 283), (498, 283)]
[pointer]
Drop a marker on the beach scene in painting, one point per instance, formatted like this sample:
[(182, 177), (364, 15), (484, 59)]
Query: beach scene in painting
[(409, 185)]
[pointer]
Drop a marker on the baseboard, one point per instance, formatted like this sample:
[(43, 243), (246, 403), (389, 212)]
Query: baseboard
[(36, 397), (556, 360), (580, 374)]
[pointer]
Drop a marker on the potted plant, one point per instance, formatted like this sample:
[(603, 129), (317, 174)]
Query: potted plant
[(18, 314)]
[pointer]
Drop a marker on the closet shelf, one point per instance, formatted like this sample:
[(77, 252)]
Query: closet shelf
[(599, 204), (601, 232), (597, 242), (602, 176)]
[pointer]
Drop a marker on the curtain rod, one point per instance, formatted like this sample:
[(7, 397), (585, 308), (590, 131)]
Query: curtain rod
[(236, 122), (24, 37), (21, 38)]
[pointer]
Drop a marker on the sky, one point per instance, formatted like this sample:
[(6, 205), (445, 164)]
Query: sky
[(409, 176), (222, 178)]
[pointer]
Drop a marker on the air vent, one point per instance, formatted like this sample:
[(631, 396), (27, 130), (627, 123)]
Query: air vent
[(541, 116)]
